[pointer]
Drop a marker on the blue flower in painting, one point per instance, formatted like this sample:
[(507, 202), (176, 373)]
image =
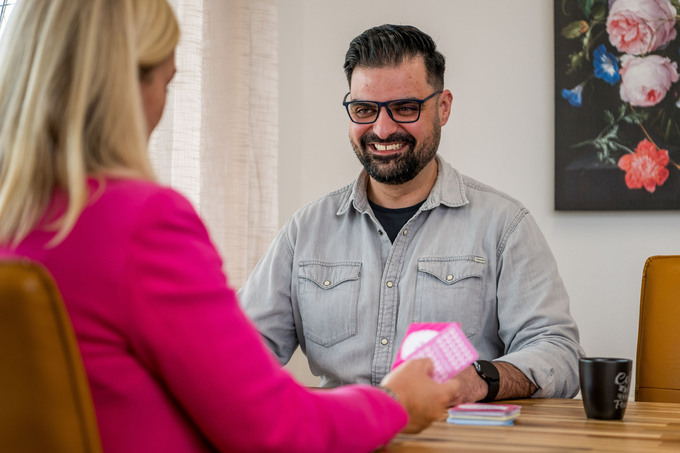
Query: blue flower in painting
[(573, 95), (606, 65)]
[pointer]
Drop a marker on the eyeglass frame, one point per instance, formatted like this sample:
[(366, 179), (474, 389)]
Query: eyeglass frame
[(420, 102)]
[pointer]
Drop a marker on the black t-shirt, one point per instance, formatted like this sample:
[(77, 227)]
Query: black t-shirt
[(392, 220)]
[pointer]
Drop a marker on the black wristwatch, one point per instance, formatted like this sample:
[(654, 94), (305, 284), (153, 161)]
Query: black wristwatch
[(487, 371)]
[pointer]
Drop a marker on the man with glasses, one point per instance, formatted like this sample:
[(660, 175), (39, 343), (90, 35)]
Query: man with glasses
[(413, 240)]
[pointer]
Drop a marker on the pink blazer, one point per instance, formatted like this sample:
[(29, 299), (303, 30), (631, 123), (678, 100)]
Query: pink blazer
[(173, 363)]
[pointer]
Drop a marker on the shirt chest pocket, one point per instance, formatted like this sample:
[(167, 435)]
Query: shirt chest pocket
[(450, 290), (328, 297)]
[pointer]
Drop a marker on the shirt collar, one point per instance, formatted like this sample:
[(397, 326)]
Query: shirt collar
[(448, 190)]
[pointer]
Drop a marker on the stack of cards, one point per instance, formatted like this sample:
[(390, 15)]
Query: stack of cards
[(443, 342), (483, 414)]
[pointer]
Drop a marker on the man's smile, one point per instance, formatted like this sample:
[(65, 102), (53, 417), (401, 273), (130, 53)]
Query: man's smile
[(388, 148)]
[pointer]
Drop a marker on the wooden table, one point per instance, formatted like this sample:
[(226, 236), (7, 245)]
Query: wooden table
[(549, 425)]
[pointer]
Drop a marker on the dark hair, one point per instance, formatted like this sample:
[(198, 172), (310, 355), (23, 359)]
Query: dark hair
[(390, 45)]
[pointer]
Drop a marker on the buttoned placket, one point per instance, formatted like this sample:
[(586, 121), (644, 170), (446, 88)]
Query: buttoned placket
[(388, 306)]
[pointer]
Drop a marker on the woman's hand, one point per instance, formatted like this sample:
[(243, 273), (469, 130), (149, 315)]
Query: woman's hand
[(424, 399)]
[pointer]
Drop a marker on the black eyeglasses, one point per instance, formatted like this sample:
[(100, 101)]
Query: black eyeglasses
[(400, 110)]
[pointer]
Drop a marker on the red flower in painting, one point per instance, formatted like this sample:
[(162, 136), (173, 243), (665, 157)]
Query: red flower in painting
[(646, 167)]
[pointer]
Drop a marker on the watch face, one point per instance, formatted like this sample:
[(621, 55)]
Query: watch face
[(489, 371)]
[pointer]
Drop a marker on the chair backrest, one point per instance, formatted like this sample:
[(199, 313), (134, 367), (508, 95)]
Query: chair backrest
[(45, 401), (657, 372)]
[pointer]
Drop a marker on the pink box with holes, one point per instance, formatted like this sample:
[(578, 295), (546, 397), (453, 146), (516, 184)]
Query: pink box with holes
[(443, 342)]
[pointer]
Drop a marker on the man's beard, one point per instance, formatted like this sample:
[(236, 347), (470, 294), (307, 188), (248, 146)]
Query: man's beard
[(400, 167)]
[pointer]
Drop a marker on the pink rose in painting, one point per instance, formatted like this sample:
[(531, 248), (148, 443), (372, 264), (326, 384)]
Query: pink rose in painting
[(646, 80), (646, 167), (641, 26)]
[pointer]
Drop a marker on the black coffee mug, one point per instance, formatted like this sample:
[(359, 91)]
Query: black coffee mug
[(605, 384)]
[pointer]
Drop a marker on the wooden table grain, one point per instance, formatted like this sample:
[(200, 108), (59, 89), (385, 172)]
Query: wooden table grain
[(555, 425)]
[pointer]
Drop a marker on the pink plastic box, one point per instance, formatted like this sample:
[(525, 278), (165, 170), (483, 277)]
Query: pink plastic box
[(443, 342)]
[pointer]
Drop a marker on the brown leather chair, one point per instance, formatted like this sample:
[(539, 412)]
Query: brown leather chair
[(657, 372), (45, 402)]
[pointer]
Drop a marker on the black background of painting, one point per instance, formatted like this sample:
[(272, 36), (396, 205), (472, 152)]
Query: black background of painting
[(582, 182)]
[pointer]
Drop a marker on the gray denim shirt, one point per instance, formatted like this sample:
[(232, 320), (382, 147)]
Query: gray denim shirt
[(333, 283)]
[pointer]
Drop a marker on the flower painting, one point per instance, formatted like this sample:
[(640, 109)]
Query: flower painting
[(617, 104)]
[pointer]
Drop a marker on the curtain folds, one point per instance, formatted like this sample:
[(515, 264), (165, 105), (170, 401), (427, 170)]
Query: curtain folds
[(218, 140)]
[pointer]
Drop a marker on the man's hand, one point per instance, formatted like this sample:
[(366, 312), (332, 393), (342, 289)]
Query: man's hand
[(468, 387)]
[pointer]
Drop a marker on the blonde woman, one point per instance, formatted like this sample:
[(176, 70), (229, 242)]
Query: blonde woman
[(173, 363)]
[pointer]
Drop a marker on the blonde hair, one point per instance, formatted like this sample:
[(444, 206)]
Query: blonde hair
[(70, 102)]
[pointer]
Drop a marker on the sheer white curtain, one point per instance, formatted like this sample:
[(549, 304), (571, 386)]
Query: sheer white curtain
[(218, 140)]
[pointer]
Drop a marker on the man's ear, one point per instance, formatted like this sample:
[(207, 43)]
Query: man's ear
[(445, 102)]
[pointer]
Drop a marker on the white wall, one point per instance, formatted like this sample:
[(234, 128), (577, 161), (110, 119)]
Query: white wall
[(500, 70)]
